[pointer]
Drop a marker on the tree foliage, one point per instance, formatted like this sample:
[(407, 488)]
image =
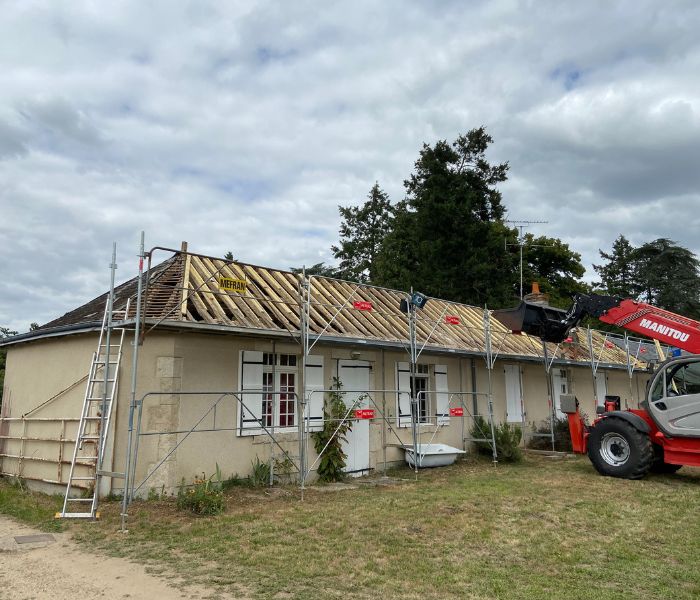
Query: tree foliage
[(667, 276), (556, 267), (447, 236), (362, 232), (659, 272), (320, 269), (331, 466), (617, 277)]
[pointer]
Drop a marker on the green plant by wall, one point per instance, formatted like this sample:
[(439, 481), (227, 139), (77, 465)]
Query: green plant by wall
[(508, 438), (333, 460), (260, 475), (204, 497), (562, 438)]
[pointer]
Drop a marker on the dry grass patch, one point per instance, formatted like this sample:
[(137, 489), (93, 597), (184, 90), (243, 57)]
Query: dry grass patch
[(540, 529)]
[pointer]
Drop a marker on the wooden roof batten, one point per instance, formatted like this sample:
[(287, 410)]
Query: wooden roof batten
[(183, 291)]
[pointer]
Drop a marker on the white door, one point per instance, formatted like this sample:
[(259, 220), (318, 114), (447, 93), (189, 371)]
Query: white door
[(601, 387), (514, 398), (560, 385), (354, 375)]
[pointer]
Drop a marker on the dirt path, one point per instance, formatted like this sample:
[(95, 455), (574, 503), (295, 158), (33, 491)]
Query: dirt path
[(62, 569)]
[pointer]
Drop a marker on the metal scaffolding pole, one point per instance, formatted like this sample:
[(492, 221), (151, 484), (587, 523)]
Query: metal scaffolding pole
[(132, 401), (490, 361)]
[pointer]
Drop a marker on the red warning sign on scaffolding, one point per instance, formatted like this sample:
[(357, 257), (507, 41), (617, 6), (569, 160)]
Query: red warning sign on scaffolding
[(364, 413), (362, 305), (452, 319), (457, 411)]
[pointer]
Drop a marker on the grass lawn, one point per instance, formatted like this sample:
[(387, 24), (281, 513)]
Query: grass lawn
[(542, 529)]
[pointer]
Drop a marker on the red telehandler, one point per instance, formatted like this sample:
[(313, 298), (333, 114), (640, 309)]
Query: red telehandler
[(664, 433)]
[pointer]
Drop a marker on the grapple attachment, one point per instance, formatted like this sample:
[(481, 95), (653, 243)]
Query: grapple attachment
[(542, 321)]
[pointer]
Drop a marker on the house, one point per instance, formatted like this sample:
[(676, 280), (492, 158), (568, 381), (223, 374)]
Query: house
[(220, 375)]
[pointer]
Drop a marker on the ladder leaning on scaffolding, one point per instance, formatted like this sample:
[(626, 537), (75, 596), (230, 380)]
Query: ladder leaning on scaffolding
[(93, 429)]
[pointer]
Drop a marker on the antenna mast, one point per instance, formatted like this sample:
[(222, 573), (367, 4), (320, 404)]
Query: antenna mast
[(521, 243)]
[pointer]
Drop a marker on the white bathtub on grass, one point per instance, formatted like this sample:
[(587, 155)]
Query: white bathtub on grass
[(432, 455)]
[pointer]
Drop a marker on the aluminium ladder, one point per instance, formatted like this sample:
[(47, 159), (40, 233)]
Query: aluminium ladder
[(93, 429)]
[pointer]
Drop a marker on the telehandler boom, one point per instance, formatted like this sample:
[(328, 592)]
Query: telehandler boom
[(664, 433)]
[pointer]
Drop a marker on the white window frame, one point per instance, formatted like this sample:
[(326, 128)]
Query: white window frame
[(435, 400), (276, 370)]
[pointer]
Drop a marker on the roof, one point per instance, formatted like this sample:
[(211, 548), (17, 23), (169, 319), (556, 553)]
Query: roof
[(185, 292)]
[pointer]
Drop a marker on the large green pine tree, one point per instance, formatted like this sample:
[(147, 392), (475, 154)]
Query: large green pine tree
[(362, 232), (447, 237), (617, 276)]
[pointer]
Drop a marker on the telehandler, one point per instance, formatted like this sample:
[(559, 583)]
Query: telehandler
[(663, 434)]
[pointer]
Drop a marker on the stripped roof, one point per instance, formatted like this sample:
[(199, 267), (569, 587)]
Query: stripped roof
[(185, 291)]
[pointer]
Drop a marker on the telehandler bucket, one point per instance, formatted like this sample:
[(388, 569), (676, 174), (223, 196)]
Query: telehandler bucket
[(535, 319)]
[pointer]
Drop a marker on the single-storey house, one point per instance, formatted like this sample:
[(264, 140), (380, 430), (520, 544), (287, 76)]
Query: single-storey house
[(222, 353)]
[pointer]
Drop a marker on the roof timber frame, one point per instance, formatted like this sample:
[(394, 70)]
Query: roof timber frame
[(183, 292)]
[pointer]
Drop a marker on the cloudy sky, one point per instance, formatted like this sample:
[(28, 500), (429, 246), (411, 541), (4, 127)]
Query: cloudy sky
[(242, 125)]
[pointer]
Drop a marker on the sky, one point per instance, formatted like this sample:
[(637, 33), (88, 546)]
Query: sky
[(242, 126)]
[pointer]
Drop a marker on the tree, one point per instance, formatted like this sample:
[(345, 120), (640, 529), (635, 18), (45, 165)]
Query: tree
[(618, 277), (557, 268), (447, 238), (34, 326), (667, 276), (320, 269), (659, 272), (228, 255), (4, 333), (362, 232)]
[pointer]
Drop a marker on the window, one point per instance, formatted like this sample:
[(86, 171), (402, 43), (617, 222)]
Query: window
[(279, 375), (429, 386), (683, 380), (419, 388), (269, 383)]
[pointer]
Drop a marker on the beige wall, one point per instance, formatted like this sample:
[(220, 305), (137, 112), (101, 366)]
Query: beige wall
[(35, 373), (170, 364)]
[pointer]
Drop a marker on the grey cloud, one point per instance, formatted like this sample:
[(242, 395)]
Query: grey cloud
[(242, 126)]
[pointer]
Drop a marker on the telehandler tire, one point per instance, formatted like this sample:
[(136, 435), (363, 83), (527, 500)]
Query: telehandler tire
[(617, 449)]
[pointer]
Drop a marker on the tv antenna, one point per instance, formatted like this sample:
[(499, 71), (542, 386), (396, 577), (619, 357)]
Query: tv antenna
[(521, 243)]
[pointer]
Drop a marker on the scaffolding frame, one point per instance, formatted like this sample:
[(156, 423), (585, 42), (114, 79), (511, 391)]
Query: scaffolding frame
[(307, 340)]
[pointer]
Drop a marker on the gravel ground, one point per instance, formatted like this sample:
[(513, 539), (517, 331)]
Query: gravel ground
[(62, 569)]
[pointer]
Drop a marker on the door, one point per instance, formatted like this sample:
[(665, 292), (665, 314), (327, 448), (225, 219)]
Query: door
[(354, 375), (560, 385), (601, 387), (514, 398), (674, 399)]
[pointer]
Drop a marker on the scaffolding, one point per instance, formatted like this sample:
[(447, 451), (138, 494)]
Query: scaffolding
[(318, 312)]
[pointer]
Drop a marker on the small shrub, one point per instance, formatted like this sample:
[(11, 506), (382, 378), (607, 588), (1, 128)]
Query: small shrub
[(284, 467), (507, 436), (204, 497), (154, 494), (331, 466), (234, 481), (562, 438), (261, 474)]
